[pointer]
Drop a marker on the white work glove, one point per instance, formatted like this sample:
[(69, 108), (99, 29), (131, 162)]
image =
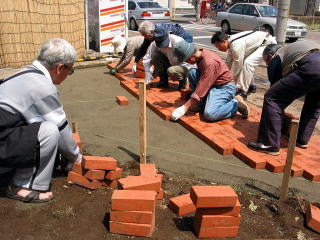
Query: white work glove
[(152, 69), (148, 77), (178, 113), (134, 67)]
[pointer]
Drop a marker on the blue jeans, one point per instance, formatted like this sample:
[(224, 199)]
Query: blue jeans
[(219, 100), (187, 37)]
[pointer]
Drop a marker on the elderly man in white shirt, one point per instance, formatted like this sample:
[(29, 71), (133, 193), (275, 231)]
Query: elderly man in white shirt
[(160, 54), (244, 54)]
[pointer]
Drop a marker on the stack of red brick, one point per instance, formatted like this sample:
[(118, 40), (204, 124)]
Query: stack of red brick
[(217, 210), (133, 212), (140, 70), (133, 208), (94, 171)]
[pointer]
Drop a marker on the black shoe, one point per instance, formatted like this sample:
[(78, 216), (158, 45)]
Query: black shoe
[(182, 84), (252, 88), (259, 147), (244, 95), (159, 85), (301, 145)]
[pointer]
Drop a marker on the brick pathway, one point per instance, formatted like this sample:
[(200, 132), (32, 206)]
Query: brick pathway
[(229, 136)]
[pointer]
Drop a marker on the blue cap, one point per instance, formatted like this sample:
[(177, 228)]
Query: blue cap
[(161, 37)]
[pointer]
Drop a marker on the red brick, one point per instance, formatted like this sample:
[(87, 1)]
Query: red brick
[(182, 205), (274, 165), (141, 183), (110, 183), (312, 174), (112, 175), (213, 196), (140, 230), (216, 232), (122, 101), (133, 200), (76, 137), (141, 217), (249, 156), (99, 163), (313, 218), (139, 73), (94, 174), (77, 168), (148, 169), (225, 211), (216, 220), (160, 194), (82, 181)]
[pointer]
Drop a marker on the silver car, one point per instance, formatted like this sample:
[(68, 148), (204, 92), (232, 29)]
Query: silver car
[(146, 10), (250, 16)]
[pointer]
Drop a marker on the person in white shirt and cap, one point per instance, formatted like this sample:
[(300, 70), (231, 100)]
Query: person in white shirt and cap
[(160, 53), (244, 55)]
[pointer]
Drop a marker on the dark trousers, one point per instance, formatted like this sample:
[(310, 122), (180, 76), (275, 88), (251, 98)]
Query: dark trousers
[(161, 64), (305, 81)]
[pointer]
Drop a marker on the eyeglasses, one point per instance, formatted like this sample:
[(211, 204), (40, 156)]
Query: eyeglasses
[(71, 70)]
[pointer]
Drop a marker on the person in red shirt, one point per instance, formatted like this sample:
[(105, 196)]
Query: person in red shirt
[(212, 85)]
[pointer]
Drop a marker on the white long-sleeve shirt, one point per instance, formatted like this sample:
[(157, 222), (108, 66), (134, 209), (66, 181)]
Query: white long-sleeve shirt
[(168, 52), (241, 48)]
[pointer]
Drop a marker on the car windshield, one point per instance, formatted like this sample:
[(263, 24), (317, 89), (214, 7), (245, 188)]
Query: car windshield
[(149, 5), (267, 11)]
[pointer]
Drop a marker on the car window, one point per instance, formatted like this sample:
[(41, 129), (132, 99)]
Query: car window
[(237, 9), (149, 5), (250, 10), (131, 5), (267, 11)]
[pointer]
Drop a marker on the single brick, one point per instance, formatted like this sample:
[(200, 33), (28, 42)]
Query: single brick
[(113, 175), (122, 101), (110, 183), (216, 232), (182, 205), (141, 217), (76, 137), (140, 183), (216, 220), (139, 73), (82, 181), (313, 218), (148, 169), (94, 174), (77, 168), (99, 163), (133, 200), (226, 211), (141, 230), (160, 194), (213, 196)]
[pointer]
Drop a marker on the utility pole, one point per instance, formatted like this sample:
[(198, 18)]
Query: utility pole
[(282, 19), (198, 7)]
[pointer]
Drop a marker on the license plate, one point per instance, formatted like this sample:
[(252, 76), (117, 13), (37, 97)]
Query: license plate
[(157, 13), (297, 34)]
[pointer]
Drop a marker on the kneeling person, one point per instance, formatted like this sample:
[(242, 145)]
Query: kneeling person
[(212, 85)]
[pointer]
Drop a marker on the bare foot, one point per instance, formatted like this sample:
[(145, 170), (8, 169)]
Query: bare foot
[(42, 196)]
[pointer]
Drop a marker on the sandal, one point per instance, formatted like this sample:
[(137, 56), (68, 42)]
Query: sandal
[(32, 197)]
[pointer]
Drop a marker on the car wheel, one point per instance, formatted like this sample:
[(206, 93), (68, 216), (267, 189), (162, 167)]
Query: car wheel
[(133, 24), (225, 27), (291, 40), (267, 28)]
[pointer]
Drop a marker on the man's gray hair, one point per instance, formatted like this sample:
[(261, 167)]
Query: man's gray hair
[(271, 49), (146, 27), (57, 51)]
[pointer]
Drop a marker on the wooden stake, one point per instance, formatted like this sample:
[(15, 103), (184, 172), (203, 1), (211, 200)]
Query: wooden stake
[(142, 122), (74, 127), (287, 169)]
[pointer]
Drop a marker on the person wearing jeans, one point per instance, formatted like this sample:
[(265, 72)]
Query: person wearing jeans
[(212, 85)]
